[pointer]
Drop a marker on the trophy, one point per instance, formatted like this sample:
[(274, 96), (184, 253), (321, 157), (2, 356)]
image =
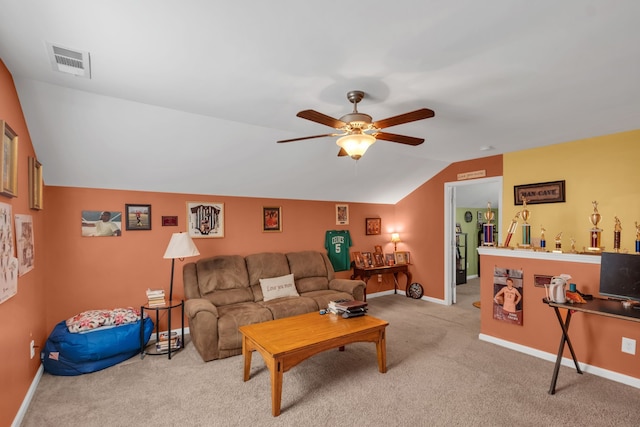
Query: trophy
[(617, 230), (526, 227), (512, 229), (637, 238), (595, 231), (543, 242), (558, 241), (487, 227)]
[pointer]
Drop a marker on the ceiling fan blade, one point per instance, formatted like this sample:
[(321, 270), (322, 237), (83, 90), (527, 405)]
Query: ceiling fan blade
[(342, 152), (402, 139), (423, 113), (323, 119), (309, 137)]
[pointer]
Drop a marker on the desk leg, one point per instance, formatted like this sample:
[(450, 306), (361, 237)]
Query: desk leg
[(565, 339), (395, 283)]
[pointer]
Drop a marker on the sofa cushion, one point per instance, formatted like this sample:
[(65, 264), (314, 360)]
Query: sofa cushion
[(278, 287), (290, 306), (224, 280), (265, 265), (234, 316), (309, 270)]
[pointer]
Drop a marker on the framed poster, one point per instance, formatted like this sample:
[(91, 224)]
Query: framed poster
[(205, 219), (24, 243), (138, 217), (9, 161), (544, 192), (342, 214), (271, 219)]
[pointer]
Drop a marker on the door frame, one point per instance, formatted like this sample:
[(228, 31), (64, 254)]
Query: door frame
[(450, 205)]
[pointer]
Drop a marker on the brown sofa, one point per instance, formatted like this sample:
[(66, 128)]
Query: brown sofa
[(223, 293)]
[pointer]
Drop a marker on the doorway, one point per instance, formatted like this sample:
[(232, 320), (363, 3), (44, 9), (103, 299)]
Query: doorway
[(468, 194)]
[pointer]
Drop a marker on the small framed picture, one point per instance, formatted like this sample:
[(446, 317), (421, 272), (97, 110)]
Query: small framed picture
[(138, 217), (170, 221), (390, 259), (271, 219), (458, 228), (378, 249), (378, 259), (402, 257), (342, 214), (373, 226), (368, 259), (357, 259)]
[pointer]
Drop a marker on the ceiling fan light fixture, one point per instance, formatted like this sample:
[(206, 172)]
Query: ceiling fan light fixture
[(356, 144)]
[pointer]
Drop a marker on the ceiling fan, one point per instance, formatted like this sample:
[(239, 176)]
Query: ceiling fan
[(359, 132)]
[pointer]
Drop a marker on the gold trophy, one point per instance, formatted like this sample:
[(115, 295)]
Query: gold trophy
[(543, 242), (595, 232), (637, 238), (487, 228), (526, 227), (558, 241)]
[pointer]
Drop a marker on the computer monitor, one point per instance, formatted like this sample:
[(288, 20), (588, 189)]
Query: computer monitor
[(620, 276)]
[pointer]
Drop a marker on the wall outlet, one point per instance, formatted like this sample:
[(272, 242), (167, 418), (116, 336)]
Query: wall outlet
[(628, 345), (379, 277), (32, 348)]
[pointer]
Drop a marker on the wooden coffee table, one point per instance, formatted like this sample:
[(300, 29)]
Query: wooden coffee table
[(284, 343)]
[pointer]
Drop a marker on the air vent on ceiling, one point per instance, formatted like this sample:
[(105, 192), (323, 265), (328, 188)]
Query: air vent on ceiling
[(71, 61)]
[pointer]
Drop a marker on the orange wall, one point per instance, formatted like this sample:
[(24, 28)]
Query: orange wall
[(102, 272), (596, 339), (22, 316), (420, 221)]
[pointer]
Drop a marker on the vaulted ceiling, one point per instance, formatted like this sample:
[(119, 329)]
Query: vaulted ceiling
[(191, 97)]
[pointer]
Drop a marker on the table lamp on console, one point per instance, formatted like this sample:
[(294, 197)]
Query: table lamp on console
[(180, 246), (395, 238)]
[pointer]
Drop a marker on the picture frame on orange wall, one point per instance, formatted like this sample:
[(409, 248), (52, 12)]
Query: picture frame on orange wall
[(342, 214), (138, 217), (205, 219), (271, 219), (9, 161)]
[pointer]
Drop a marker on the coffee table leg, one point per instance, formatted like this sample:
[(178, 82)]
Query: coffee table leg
[(381, 348), (246, 354), (277, 370)]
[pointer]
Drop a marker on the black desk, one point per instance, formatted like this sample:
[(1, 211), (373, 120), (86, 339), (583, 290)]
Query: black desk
[(600, 307)]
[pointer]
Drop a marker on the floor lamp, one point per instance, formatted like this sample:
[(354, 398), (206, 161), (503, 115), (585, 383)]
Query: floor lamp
[(180, 246)]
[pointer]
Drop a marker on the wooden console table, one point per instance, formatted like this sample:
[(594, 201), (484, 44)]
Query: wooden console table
[(366, 273), (600, 307)]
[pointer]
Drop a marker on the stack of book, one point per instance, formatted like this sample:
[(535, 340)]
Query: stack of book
[(155, 298), (348, 308), (164, 341)]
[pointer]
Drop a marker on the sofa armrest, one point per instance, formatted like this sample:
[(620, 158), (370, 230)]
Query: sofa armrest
[(196, 305), (353, 287)]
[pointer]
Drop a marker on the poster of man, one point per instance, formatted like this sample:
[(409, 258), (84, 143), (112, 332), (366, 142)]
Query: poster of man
[(507, 295), (101, 223)]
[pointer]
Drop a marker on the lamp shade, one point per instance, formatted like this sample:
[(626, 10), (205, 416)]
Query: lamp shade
[(395, 237), (181, 246), (355, 144)]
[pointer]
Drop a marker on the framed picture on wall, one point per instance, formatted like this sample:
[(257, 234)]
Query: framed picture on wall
[(9, 161), (205, 219), (101, 223), (35, 184), (271, 219), (372, 226), (342, 214), (138, 217)]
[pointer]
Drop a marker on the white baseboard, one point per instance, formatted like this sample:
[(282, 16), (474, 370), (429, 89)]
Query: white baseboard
[(27, 399), (600, 372)]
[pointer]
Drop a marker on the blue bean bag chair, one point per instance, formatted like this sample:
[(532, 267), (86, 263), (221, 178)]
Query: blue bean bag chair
[(67, 353)]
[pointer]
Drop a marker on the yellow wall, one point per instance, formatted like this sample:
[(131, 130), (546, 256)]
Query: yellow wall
[(603, 169)]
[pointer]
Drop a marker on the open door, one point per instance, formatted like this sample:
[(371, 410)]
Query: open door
[(452, 200)]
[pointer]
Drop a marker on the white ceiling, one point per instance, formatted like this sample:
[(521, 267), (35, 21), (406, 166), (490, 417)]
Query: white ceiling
[(191, 96)]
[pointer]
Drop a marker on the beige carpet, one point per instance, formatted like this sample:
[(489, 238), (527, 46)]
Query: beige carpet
[(439, 374)]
